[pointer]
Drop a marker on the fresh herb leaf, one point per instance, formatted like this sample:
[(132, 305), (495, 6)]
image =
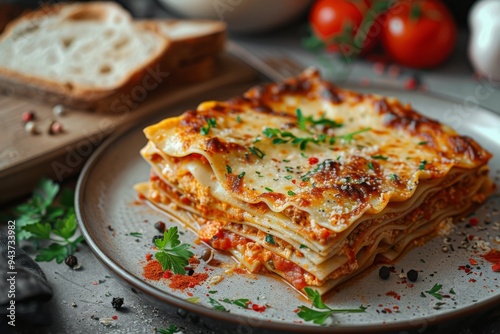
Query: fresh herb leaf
[(194, 300), (302, 121), (258, 173), (423, 143), (380, 157), (240, 176), (452, 291), (370, 165), (42, 219), (319, 317), (172, 329), (172, 254), (268, 189), (434, 291), (270, 239), (211, 123), (257, 152), (285, 160), (212, 292), (54, 251), (135, 234), (350, 136), (303, 246), (422, 164), (243, 302), (290, 193), (229, 170), (288, 177), (238, 119), (217, 306), (394, 177)]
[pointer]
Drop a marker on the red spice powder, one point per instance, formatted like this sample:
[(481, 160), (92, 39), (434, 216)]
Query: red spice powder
[(194, 260), (153, 270), (393, 294), (258, 308), (493, 256), (182, 282)]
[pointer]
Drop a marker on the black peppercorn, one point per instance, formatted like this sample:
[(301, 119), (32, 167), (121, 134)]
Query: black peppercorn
[(412, 275), (384, 272), (71, 261), (157, 237), (190, 272), (160, 226), (117, 303)]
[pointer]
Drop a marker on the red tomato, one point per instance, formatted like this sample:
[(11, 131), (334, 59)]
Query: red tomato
[(336, 22), (419, 33)]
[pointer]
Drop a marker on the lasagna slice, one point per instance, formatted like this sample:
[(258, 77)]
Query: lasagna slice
[(310, 181)]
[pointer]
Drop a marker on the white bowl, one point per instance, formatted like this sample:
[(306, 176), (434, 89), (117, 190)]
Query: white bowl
[(242, 16)]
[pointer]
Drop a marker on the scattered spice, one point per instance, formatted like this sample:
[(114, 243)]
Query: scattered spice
[(384, 272), (28, 116), (207, 255), (71, 261), (181, 282), (149, 256), (393, 294), (258, 308), (160, 226), (493, 256), (115, 317), (117, 303), (412, 275), (153, 270)]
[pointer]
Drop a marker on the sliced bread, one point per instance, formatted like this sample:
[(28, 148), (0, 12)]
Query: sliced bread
[(77, 54)]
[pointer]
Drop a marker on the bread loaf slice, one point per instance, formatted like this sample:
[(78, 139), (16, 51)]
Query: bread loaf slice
[(190, 40), (77, 54)]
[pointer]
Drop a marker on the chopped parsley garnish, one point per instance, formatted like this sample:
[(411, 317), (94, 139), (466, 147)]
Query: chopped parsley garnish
[(172, 329), (434, 291), (394, 177), (243, 302), (380, 157), (422, 164), (452, 291), (302, 121), (171, 254), (423, 143), (290, 193), (238, 119), (256, 140), (135, 234), (268, 189), (284, 137), (319, 317), (212, 292), (285, 160), (194, 300), (257, 172), (348, 179), (370, 165), (303, 246), (211, 123), (217, 306), (270, 239), (240, 176), (257, 152), (288, 177), (229, 170)]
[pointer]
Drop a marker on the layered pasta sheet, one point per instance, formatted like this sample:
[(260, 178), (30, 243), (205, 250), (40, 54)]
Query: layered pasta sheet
[(311, 181)]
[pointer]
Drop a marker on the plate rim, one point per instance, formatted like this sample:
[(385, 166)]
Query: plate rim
[(123, 275)]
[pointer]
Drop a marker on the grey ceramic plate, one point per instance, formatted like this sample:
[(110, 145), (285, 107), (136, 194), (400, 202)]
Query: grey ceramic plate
[(108, 213)]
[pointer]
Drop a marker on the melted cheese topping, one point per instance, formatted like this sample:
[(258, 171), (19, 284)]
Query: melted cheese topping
[(334, 184)]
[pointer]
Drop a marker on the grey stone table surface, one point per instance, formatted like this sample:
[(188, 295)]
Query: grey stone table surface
[(82, 296)]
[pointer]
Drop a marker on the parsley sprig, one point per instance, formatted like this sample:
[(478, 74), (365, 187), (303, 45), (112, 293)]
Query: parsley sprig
[(49, 223), (211, 123), (172, 329), (284, 137), (302, 121), (217, 306), (171, 253), (319, 317), (434, 291), (242, 302)]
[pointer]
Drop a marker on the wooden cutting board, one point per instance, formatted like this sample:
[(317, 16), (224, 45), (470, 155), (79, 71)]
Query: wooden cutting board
[(25, 157)]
